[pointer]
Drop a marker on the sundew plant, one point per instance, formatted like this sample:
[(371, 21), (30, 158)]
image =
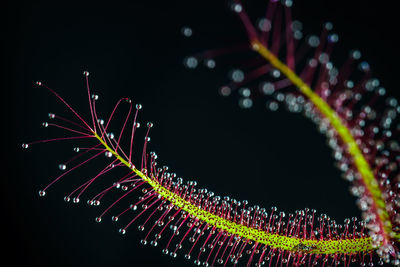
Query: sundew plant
[(280, 66)]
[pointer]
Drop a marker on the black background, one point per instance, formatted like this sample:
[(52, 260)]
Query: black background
[(135, 49)]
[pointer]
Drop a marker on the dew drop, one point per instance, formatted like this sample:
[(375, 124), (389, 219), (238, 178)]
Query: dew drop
[(237, 76), (190, 62), (236, 7), (296, 25), (264, 25), (67, 199), (349, 84), (323, 58), (276, 73), (186, 31), (39, 83), (245, 103), (272, 105), (209, 63), (267, 88), (45, 124), (328, 26), (86, 73), (122, 231), (62, 167), (364, 66), (225, 91), (391, 102), (42, 193), (245, 92), (288, 3), (313, 41), (25, 146), (333, 38), (108, 154), (98, 219), (114, 218), (298, 35), (355, 54)]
